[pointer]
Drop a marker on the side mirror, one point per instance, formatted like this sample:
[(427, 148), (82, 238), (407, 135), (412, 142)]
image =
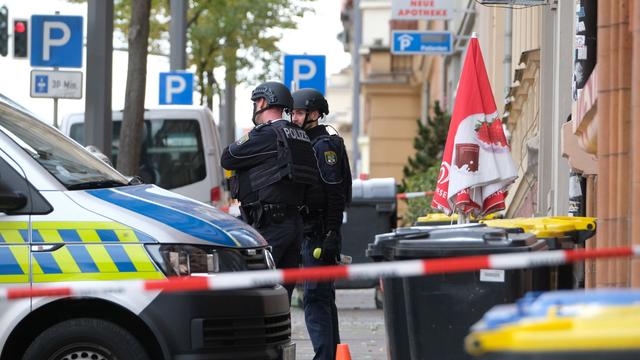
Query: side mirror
[(11, 200)]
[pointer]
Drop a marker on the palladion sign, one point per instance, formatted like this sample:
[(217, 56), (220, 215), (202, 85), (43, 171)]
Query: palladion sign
[(421, 9)]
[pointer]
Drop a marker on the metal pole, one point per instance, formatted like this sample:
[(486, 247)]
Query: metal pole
[(508, 26), (178, 35), (55, 113), (229, 127), (355, 68), (97, 113)]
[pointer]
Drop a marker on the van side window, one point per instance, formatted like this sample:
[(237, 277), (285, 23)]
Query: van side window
[(12, 181), (172, 152)]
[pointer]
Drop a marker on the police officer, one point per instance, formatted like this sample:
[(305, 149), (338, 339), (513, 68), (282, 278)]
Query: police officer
[(274, 164), (326, 202)]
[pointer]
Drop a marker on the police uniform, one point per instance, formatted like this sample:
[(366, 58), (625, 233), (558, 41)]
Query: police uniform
[(326, 201), (273, 164)]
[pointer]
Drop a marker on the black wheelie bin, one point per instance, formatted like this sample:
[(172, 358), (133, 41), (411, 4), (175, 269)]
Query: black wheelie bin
[(428, 317)]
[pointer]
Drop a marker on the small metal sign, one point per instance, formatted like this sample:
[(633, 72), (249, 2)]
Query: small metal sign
[(56, 84)]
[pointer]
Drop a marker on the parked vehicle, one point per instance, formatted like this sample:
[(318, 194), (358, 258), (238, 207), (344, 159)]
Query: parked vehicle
[(180, 150), (66, 216)]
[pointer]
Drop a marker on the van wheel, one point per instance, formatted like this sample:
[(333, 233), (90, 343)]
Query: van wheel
[(85, 338)]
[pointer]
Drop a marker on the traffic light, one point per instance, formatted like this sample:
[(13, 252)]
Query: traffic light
[(20, 38), (4, 31)]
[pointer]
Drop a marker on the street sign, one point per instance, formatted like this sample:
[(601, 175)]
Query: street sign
[(56, 84), (422, 10), (56, 41), (408, 42), (305, 71), (176, 88)]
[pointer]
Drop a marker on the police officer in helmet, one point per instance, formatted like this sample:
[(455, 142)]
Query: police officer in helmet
[(273, 164), (326, 201)]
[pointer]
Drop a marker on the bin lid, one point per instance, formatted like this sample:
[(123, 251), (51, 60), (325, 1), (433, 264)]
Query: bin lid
[(381, 247), (378, 188), (443, 219), (566, 303), (462, 241), (581, 228), (593, 328)]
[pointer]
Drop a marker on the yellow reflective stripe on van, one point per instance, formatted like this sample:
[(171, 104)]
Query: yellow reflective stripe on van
[(44, 278), (88, 235), (139, 258), (126, 235), (11, 236), (65, 261), (21, 254), (15, 261), (13, 225), (102, 259), (77, 225), (84, 262), (50, 235)]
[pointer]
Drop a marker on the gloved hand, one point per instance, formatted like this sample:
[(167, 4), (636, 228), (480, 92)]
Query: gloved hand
[(331, 247)]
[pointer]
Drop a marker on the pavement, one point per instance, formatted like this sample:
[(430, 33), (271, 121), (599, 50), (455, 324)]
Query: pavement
[(361, 326)]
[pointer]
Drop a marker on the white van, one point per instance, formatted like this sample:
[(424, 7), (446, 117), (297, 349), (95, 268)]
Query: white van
[(180, 150)]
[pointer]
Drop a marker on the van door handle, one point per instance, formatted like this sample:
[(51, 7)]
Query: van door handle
[(46, 247)]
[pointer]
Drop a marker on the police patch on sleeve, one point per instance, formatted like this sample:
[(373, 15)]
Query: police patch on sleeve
[(330, 157), (243, 139)]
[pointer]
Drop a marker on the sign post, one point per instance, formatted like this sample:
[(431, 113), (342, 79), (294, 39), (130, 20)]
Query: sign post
[(56, 41), (56, 84)]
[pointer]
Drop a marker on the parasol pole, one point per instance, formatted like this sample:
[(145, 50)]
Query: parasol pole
[(462, 217)]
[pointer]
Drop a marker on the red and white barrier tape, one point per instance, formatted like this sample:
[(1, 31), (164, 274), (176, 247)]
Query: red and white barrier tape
[(413, 195), (243, 280)]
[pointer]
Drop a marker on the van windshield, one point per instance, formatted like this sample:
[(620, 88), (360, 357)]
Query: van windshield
[(171, 151), (71, 164)]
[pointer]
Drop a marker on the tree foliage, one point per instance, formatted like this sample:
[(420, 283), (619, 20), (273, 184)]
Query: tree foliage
[(422, 170), (240, 36), (429, 143)]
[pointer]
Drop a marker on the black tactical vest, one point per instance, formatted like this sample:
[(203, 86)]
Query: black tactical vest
[(338, 143), (295, 162)]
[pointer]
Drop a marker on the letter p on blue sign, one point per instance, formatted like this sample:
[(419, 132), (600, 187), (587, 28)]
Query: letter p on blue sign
[(305, 71), (176, 88)]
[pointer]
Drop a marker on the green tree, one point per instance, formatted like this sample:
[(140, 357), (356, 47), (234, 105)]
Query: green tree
[(429, 143), (422, 170), (421, 181), (237, 35)]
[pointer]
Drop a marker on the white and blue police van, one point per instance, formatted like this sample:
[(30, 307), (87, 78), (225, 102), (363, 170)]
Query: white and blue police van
[(67, 217)]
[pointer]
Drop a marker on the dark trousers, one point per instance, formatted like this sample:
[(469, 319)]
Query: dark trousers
[(320, 312), (285, 239)]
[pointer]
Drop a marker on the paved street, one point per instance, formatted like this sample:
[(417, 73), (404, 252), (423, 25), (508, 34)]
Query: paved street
[(361, 326)]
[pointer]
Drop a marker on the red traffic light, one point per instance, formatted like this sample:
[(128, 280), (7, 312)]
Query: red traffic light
[(20, 26)]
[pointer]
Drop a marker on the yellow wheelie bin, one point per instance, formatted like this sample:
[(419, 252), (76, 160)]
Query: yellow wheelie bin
[(567, 325), (560, 233)]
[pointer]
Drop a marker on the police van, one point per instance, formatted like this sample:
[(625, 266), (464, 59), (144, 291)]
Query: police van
[(180, 150), (67, 217)]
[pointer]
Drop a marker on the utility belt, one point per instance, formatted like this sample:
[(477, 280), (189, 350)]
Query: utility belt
[(314, 222), (259, 214)]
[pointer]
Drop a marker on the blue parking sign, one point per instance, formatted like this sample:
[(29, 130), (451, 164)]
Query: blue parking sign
[(176, 88), (409, 42), (305, 71), (56, 41)]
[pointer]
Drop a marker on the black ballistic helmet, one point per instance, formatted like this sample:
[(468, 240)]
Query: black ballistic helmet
[(310, 100), (276, 94)]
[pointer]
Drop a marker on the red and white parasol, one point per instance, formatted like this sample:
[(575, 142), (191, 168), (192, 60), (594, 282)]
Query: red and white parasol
[(476, 166)]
